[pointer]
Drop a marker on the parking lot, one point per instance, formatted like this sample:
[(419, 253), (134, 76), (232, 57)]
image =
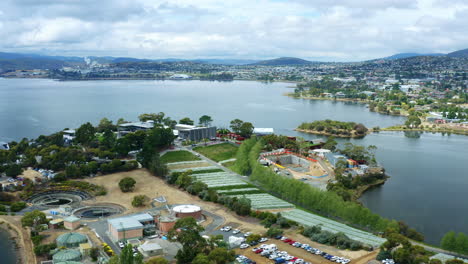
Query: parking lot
[(283, 249)]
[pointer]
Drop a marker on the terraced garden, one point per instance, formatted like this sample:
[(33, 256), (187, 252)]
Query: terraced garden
[(219, 179), (308, 219), (264, 201)]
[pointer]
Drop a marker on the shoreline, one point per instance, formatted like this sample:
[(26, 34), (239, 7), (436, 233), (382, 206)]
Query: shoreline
[(352, 100), (15, 240), (22, 253), (457, 132), (329, 134)]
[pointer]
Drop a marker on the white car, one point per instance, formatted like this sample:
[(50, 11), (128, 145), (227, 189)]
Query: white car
[(247, 234), (244, 246), (236, 231), (263, 239), (121, 245)]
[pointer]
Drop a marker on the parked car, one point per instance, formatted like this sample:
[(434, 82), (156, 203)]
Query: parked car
[(244, 246), (236, 231)]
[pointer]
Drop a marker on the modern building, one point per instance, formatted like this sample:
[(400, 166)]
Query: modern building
[(263, 131), (194, 133), (129, 227), (71, 223), (149, 249), (126, 128), (4, 146), (69, 135)]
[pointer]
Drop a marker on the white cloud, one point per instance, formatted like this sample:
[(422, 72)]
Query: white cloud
[(311, 29)]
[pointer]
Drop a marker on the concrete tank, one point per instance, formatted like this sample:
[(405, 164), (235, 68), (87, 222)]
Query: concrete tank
[(182, 211)]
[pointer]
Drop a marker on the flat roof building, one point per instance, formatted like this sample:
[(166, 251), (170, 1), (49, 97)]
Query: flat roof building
[(259, 131), (194, 133), (129, 227)]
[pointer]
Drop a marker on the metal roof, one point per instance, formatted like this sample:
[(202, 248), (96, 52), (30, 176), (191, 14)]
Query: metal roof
[(71, 239), (67, 255), (71, 219), (150, 247), (130, 222)]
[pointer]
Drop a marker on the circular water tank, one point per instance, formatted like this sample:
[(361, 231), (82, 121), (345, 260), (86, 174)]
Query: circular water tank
[(187, 210), (71, 240), (67, 255)]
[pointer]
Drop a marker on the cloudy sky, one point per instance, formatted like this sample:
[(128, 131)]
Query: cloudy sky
[(341, 30)]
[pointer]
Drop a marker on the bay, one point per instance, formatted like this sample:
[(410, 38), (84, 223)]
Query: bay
[(428, 171)]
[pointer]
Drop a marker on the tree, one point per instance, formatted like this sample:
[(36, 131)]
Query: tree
[(85, 134), (35, 217), (413, 121), (157, 118), (236, 125), (94, 253), (221, 256), (127, 184), (157, 167), (201, 259), (461, 242), (108, 139), (13, 170), (187, 232), (273, 232), (330, 143), (448, 241), (186, 121), (246, 129), (360, 129), (140, 200), (252, 238), (157, 260), (205, 120), (157, 139), (127, 257), (105, 124)]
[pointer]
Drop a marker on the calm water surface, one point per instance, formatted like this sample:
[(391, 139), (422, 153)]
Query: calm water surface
[(429, 172), (7, 251)]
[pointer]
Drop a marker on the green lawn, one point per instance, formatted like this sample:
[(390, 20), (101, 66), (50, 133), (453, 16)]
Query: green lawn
[(218, 152), (179, 155)]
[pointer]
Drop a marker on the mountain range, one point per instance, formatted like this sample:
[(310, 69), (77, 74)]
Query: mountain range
[(13, 61)]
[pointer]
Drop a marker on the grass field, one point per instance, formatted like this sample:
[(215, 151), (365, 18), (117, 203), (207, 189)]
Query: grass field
[(218, 152), (176, 156)]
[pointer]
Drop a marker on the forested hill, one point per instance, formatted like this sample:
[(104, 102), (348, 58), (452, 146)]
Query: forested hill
[(283, 61)]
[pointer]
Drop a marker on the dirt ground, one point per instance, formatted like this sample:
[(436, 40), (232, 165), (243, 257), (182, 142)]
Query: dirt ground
[(153, 187)]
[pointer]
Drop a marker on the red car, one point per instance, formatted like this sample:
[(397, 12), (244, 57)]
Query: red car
[(287, 240), (258, 251), (291, 242)]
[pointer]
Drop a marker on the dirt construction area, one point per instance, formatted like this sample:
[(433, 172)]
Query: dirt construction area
[(153, 187)]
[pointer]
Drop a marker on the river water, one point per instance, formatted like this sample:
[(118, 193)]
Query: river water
[(7, 250), (429, 171)]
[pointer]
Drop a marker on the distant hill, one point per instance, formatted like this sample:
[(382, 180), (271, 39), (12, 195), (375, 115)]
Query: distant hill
[(459, 54), (283, 61), (409, 55)]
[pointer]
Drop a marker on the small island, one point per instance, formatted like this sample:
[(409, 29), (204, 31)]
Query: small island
[(334, 128)]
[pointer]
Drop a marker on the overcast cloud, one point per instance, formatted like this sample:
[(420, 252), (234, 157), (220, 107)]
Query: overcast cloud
[(341, 30)]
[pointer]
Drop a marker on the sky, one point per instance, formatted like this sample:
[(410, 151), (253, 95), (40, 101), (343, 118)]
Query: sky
[(324, 30)]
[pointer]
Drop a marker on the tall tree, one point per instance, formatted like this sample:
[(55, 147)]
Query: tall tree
[(236, 125), (186, 121), (85, 134), (449, 241), (105, 124), (187, 232), (205, 120), (157, 118), (157, 167), (246, 129)]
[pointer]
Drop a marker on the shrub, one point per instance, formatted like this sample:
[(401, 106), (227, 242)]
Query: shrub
[(140, 200), (18, 206), (273, 231), (127, 184)]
